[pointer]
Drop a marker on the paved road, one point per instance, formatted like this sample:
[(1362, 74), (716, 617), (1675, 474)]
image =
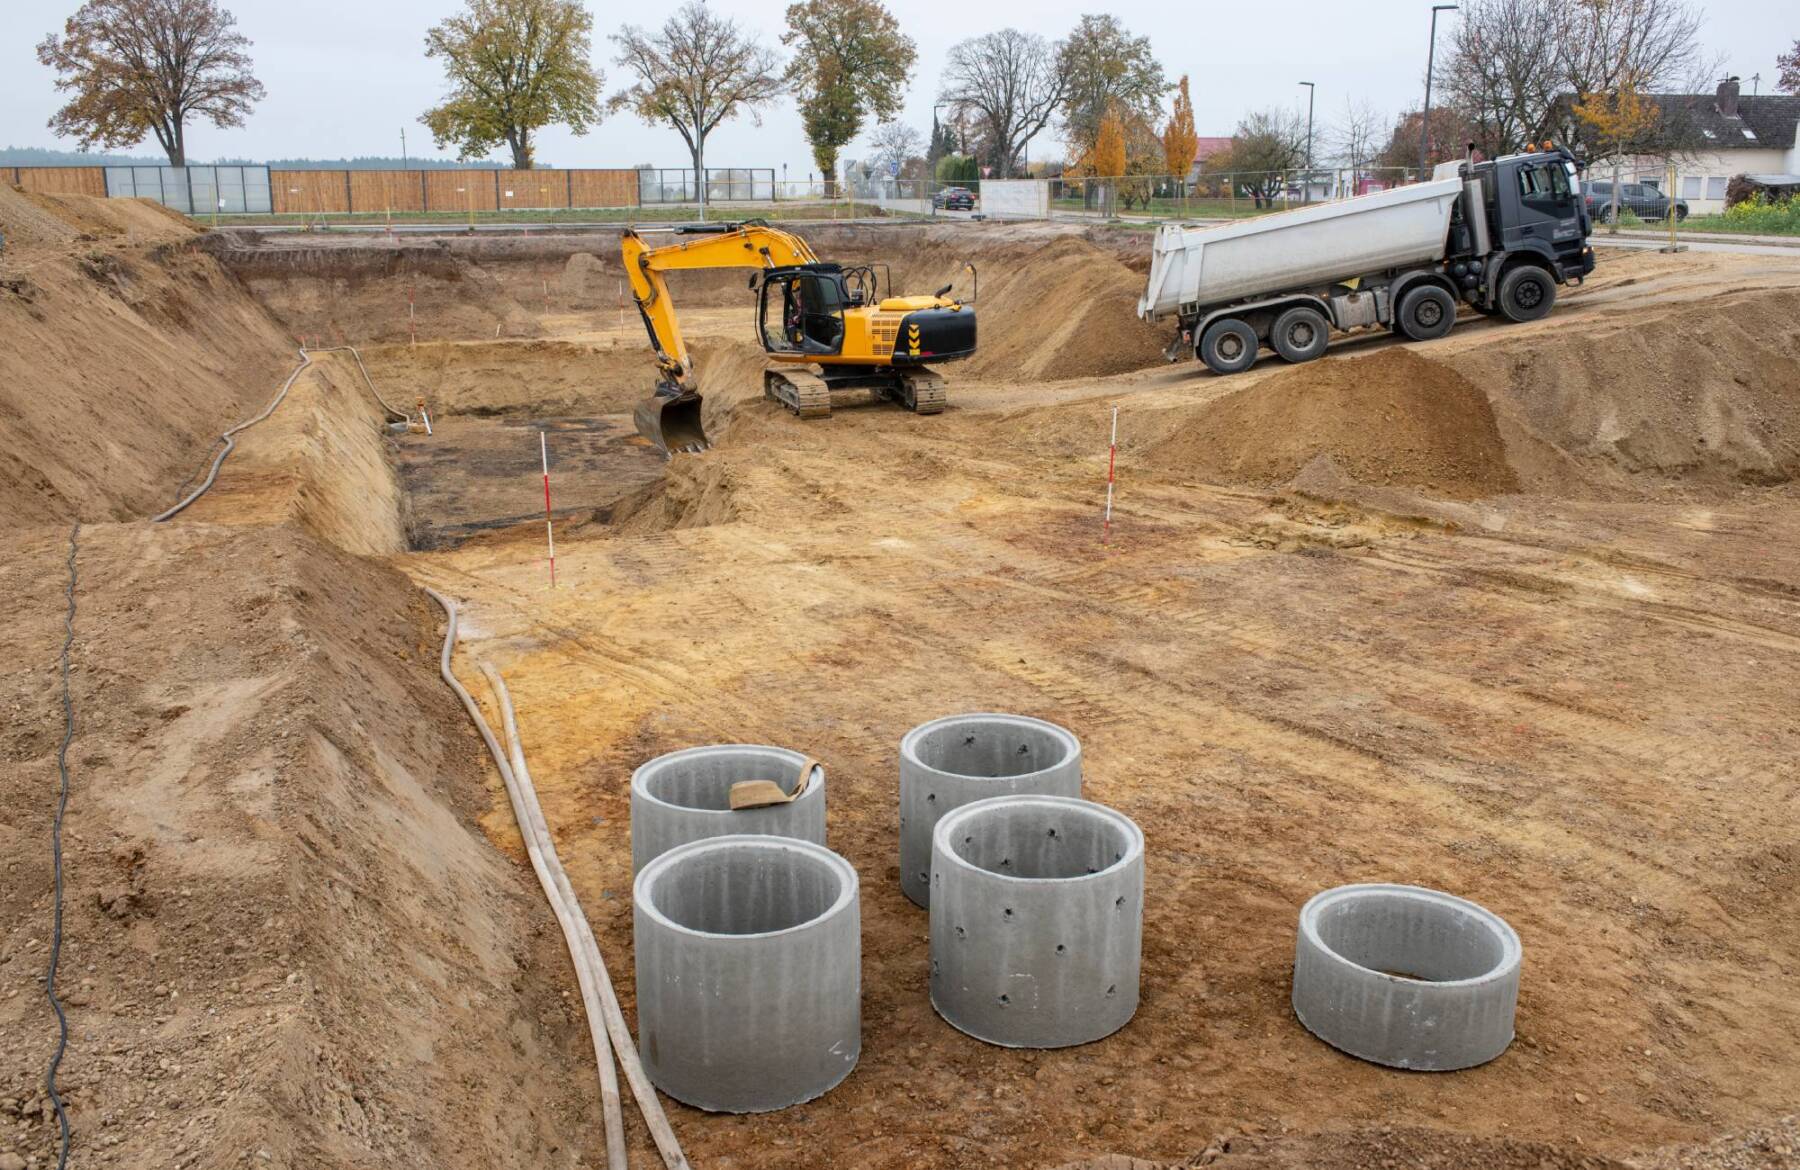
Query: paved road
[(1644, 245)]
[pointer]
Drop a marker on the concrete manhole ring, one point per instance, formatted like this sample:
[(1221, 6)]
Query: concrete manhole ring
[(1037, 920), (749, 972), (686, 796), (950, 762), (1406, 977)]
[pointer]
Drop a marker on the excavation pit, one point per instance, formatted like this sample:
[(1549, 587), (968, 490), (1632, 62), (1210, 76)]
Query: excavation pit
[(749, 984), (1406, 977), (951, 762), (686, 796), (1036, 920)]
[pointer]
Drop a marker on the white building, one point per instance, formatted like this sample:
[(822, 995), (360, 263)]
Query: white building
[(1717, 136)]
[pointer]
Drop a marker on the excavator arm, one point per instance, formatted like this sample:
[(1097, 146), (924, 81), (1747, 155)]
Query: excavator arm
[(671, 418)]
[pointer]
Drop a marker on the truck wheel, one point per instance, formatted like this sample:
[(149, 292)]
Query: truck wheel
[(1228, 346), (1427, 312), (1300, 334), (1526, 293)]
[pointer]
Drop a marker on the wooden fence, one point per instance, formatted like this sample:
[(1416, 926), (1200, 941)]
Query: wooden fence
[(346, 191), (59, 180), (339, 192)]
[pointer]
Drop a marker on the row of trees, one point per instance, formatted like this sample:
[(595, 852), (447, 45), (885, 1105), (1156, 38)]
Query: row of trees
[(1515, 72), (138, 67)]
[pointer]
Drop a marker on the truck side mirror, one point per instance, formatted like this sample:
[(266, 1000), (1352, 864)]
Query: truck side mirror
[(752, 285)]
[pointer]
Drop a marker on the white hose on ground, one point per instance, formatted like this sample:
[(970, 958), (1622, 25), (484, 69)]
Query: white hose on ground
[(398, 415), (597, 991), (230, 438)]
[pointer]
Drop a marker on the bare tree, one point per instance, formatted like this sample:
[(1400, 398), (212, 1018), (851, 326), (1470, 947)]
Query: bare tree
[(1504, 71), (1267, 147), (137, 67), (1515, 65), (892, 144), (698, 70), (1009, 84), (1356, 135)]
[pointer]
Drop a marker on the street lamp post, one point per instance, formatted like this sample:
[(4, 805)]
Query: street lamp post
[(1425, 118), (1311, 92)]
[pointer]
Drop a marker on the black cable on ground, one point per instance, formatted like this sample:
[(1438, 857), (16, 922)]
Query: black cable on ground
[(62, 804)]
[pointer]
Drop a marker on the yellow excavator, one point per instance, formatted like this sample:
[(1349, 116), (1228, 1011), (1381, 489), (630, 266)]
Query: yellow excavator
[(825, 327)]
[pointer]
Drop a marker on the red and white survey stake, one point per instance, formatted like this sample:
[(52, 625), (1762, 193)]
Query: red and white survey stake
[(1112, 457), (549, 532)]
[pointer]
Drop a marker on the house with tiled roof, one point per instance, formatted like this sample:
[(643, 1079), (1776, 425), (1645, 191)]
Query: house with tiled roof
[(1712, 137), (1205, 148)]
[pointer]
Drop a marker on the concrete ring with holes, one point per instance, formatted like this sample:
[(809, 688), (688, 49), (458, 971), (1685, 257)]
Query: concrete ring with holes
[(749, 972), (686, 796), (1406, 977), (950, 762), (1037, 920)]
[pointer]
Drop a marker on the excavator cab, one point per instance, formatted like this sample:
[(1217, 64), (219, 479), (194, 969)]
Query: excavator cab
[(801, 310)]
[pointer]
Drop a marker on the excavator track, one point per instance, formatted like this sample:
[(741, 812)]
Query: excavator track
[(804, 393), (923, 391)]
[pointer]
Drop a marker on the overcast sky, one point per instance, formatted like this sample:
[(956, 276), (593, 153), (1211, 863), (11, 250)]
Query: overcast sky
[(344, 76)]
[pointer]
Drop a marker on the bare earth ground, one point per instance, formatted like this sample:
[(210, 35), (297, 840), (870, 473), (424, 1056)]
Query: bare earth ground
[(1516, 615)]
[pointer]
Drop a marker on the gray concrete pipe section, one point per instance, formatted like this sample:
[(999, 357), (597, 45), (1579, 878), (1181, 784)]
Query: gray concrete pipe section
[(950, 762), (1037, 920), (749, 972), (686, 796), (606, 1022), (1406, 977)]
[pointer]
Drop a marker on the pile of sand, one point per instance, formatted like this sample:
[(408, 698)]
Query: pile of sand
[(25, 224), (1391, 417), (1703, 395)]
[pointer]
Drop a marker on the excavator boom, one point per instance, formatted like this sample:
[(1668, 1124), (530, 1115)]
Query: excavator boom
[(670, 418)]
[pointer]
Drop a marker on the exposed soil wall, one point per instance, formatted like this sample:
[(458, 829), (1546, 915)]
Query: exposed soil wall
[(121, 364), (286, 944)]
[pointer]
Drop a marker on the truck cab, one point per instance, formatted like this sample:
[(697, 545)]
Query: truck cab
[(1534, 206)]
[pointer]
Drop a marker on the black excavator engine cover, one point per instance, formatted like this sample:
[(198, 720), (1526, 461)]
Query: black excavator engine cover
[(934, 335)]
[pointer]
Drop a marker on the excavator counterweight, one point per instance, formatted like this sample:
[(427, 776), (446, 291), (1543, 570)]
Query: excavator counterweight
[(825, 328)]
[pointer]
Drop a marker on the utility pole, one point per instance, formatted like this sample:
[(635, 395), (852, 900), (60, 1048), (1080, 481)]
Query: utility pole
[(1425, 118), (403, 160), (1311, 92)]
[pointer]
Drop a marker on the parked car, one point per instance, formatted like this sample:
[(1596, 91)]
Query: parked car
[(1641, 199), (954, 199)]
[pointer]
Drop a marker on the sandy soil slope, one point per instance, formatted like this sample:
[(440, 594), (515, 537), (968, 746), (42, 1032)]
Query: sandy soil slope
[(1514, 614)]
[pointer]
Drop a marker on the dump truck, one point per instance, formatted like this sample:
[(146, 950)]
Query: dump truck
[(1500, 235)]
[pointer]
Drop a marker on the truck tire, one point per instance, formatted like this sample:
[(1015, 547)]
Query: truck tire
[(1427, 312), (1300, 334), (1526, 293), (1228, 346)]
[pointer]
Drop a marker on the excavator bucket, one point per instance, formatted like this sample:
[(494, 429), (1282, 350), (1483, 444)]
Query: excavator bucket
[(672, 421)]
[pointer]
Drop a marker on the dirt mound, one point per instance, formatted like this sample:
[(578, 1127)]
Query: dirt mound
[(1050, 306), (119, 368), (25, 224), (135, 221), (287, 942), (693, 494), (1391, 417), (1702, 395)]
